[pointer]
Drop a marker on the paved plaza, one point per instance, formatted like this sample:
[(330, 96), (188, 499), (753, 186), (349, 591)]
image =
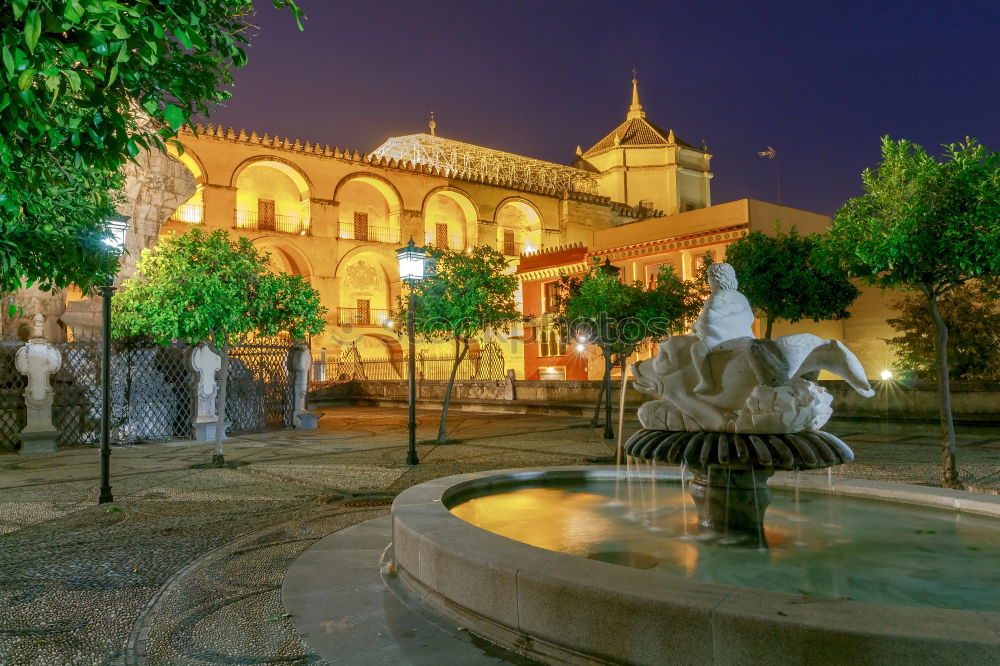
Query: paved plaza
[(186, 566)]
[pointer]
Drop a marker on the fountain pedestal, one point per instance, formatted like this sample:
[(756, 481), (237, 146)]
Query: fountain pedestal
[(731, 501), (731, 471)]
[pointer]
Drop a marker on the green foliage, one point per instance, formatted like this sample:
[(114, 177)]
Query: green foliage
[(922, 224), (87, 85), (927, 225), (618, 315), (470, 293), (972, 314), (213, 288), (782, 278)]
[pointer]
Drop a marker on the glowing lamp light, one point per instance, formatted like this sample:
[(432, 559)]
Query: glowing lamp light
[(886, 375), (580, 347), (411, 262), (117, 226)]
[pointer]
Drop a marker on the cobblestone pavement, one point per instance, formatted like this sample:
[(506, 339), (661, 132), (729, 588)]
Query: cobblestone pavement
[(185, 567)]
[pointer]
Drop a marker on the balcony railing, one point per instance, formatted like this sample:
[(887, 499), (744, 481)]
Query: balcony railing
[(190, 213), (285, 224), (362, 317), (511, 249), (452, 242), (349, 231)]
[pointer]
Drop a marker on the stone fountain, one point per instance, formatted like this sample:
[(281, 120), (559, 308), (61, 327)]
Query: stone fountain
[(734, 409)]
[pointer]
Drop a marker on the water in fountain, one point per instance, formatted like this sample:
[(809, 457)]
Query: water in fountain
[(947, 556)]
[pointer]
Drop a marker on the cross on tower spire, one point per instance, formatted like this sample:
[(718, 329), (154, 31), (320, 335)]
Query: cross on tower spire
[(635, 111)]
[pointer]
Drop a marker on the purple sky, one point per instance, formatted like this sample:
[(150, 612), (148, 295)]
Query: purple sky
[(819, 81)]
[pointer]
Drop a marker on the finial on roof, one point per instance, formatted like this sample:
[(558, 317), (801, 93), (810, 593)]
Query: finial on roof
[(670, 137), (579, 150), (617, 138), (432, 124), (635, 111)]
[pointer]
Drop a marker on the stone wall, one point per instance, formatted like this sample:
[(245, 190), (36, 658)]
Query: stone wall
[(972, 402)]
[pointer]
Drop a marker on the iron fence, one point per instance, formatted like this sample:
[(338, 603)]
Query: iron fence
[(12, 384), (260, 388), (486, 364), (151, 391)]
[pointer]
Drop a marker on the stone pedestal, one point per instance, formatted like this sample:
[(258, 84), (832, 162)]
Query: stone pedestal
[(731, 501), (305, 420), (37, 360), (204, 431), (299, 361), (38, 442), (205, 364)]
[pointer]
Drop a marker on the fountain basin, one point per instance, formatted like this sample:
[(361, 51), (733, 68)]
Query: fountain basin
[(565, 608)]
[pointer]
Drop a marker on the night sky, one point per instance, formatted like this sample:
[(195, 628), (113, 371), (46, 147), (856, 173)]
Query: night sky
[(821, 82)]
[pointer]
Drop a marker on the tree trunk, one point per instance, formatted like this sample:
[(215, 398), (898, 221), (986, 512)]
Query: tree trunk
[(218, 460), (442, 437), (595, 421), (767, 330), (949, 471)]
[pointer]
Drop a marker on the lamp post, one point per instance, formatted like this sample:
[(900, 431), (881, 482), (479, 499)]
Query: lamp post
[(611, 271), (412, 260), (117, 225)]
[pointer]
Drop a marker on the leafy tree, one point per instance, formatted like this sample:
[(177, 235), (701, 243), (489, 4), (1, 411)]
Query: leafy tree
[(782, 280), (468, 294), (214, 289), (619, 316), (929, 226), (972, 314), (86, 85)]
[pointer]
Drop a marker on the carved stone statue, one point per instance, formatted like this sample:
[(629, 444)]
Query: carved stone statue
[(37, 360), (734, 409), (723, 379)]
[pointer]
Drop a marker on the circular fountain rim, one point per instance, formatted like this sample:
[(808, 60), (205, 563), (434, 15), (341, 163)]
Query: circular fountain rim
[(563, 607)]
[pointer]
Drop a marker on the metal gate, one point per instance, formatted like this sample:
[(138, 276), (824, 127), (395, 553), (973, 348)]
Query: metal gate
[(259, 393), (12, 384)]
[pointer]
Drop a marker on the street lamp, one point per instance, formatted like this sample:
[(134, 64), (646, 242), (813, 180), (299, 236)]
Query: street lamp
[(117, 225), (611, 271), (412, 261)]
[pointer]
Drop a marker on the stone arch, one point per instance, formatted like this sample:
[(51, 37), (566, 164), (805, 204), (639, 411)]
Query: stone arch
[(435, 211), (285, 255), (383, 185), (377, 199), (190, 159), (293, 171), (523, 219), (192, 210), (272, 193), (367, 281)]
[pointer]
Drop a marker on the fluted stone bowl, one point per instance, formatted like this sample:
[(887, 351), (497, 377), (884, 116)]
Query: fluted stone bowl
[(788, 451)]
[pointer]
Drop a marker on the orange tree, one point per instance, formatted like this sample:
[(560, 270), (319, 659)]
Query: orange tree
[(214, 289), (928, 226)]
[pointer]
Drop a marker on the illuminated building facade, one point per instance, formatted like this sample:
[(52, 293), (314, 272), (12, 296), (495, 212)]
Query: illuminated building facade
[(639, 196)]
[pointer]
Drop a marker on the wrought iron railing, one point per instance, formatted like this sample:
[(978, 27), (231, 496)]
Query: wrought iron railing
[(487, 364), (362, 317), (190, 213), (451, 241), (12, 384), (260, 388), (285, 224), (511, 249), (348, 231), (150, 391)]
